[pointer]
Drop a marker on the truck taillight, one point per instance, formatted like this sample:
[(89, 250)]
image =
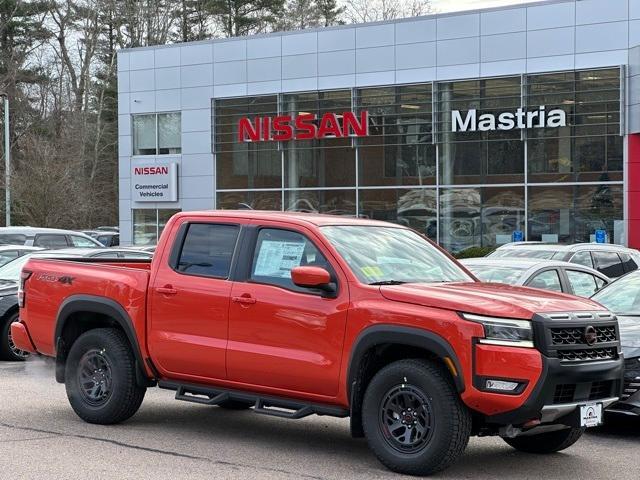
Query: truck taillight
[(24, 276)]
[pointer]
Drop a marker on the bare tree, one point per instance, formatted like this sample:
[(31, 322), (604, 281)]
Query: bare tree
[(360, 11)]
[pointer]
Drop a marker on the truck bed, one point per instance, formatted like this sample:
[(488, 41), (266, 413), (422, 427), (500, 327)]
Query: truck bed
[(52, 282)]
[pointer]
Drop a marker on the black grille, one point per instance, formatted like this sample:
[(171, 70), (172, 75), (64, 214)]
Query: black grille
[(587, 354), (600, 390), (564, 393), (575, 335)]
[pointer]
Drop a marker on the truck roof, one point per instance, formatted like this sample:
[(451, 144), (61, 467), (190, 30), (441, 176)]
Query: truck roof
[(317, 219)]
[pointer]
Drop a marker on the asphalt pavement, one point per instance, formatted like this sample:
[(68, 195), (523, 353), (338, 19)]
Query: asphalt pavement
[(41, 438)]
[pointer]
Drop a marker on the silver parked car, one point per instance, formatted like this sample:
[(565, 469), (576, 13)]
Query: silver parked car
[(563, 277), (49, 238)]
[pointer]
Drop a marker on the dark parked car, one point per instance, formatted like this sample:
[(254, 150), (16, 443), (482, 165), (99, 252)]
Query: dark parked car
[(552, 275), (108, 239), (49, 238), (609, 259), (10, 278), (622, 297)]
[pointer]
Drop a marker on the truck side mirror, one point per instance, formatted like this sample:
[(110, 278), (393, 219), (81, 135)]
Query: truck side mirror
[(313, 277)]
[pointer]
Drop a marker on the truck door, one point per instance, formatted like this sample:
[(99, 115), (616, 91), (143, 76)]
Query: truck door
[(189, 301), (281, 335)]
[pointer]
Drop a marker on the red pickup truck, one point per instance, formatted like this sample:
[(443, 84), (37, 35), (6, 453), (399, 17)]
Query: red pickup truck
[(299, 314)]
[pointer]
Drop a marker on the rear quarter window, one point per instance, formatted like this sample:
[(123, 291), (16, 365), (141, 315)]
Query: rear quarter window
[(608, 263)]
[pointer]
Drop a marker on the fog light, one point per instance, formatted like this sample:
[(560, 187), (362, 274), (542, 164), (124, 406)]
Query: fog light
[(501, 385)]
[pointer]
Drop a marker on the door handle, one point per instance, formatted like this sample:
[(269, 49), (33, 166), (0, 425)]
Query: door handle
[(244, 300), (167, 290)]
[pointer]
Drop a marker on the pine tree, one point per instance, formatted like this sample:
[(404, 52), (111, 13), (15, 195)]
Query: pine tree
[(193, 20), (329, 13), (245, 17)]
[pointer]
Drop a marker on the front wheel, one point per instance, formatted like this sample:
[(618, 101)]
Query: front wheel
[(413, 419), (100, 377), (549, 442), (8, 350)]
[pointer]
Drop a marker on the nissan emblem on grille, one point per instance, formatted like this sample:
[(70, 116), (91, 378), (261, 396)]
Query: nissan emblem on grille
[(590, 335)]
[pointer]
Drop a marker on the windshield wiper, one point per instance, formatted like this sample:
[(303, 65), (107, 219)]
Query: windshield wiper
[(388, 282)]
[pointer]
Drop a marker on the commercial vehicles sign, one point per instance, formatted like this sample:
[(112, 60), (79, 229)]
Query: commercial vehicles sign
[(521, 118), (154, 183), (304, 126)]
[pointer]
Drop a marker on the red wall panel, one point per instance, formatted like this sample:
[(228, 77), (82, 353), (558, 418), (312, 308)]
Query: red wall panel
[(633, 195)]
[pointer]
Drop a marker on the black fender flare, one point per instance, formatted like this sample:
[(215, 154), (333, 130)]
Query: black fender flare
[(399, 335), (104, 306)]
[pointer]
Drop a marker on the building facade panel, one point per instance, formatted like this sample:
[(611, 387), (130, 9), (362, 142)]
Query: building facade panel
[(503, 21), (467, 127)]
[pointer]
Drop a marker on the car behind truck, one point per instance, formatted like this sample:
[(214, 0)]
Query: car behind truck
[(300, 314)]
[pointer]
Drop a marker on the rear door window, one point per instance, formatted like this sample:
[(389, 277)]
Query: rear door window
[(582, 258), (547, 280), (608, 263), (583, 284), (208, 250), (49, 240)]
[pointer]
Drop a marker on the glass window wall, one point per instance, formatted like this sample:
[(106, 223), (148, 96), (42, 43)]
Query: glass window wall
[(465, 187), (399, 149), (148, 224)]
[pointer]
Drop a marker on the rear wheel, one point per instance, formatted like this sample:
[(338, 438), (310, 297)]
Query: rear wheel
[(8, 350), (413, 418), (100, 377), (550, 442)]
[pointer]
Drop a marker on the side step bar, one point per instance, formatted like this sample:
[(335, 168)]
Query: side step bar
[(264, 404)]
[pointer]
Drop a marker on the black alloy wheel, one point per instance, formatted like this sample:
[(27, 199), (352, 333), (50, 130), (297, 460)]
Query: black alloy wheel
[(94, 377), (406, 419)]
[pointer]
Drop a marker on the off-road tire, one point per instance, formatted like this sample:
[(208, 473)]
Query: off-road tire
[(6, 350), (235, 405), (549, 442), (124, 395), (450, 419)]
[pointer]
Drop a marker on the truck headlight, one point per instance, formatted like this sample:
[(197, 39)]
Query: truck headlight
[(504, 331)]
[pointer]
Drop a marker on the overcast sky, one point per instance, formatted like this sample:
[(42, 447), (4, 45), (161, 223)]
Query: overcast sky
[(442, 6)]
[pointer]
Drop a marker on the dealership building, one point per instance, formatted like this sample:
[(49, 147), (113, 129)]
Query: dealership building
[(474, 128)]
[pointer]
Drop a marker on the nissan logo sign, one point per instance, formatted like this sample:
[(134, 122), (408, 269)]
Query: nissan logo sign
[(590, 335)]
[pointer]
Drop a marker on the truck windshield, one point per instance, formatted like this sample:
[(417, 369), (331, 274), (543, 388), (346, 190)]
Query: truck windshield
[(388, 255)]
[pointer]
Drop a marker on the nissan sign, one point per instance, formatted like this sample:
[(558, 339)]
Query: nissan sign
[(305, 126), (154, 183)]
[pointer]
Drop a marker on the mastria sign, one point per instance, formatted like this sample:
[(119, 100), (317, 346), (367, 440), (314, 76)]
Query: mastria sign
[(305, 126), (521, 119)]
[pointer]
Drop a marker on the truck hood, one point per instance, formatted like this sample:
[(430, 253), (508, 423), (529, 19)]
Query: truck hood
[(491, 299)]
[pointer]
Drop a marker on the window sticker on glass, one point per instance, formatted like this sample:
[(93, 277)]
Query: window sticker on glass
[(372, 272), (277, 258)]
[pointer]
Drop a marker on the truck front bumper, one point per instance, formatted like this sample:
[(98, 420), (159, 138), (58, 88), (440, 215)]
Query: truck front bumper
[(562, 388)]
